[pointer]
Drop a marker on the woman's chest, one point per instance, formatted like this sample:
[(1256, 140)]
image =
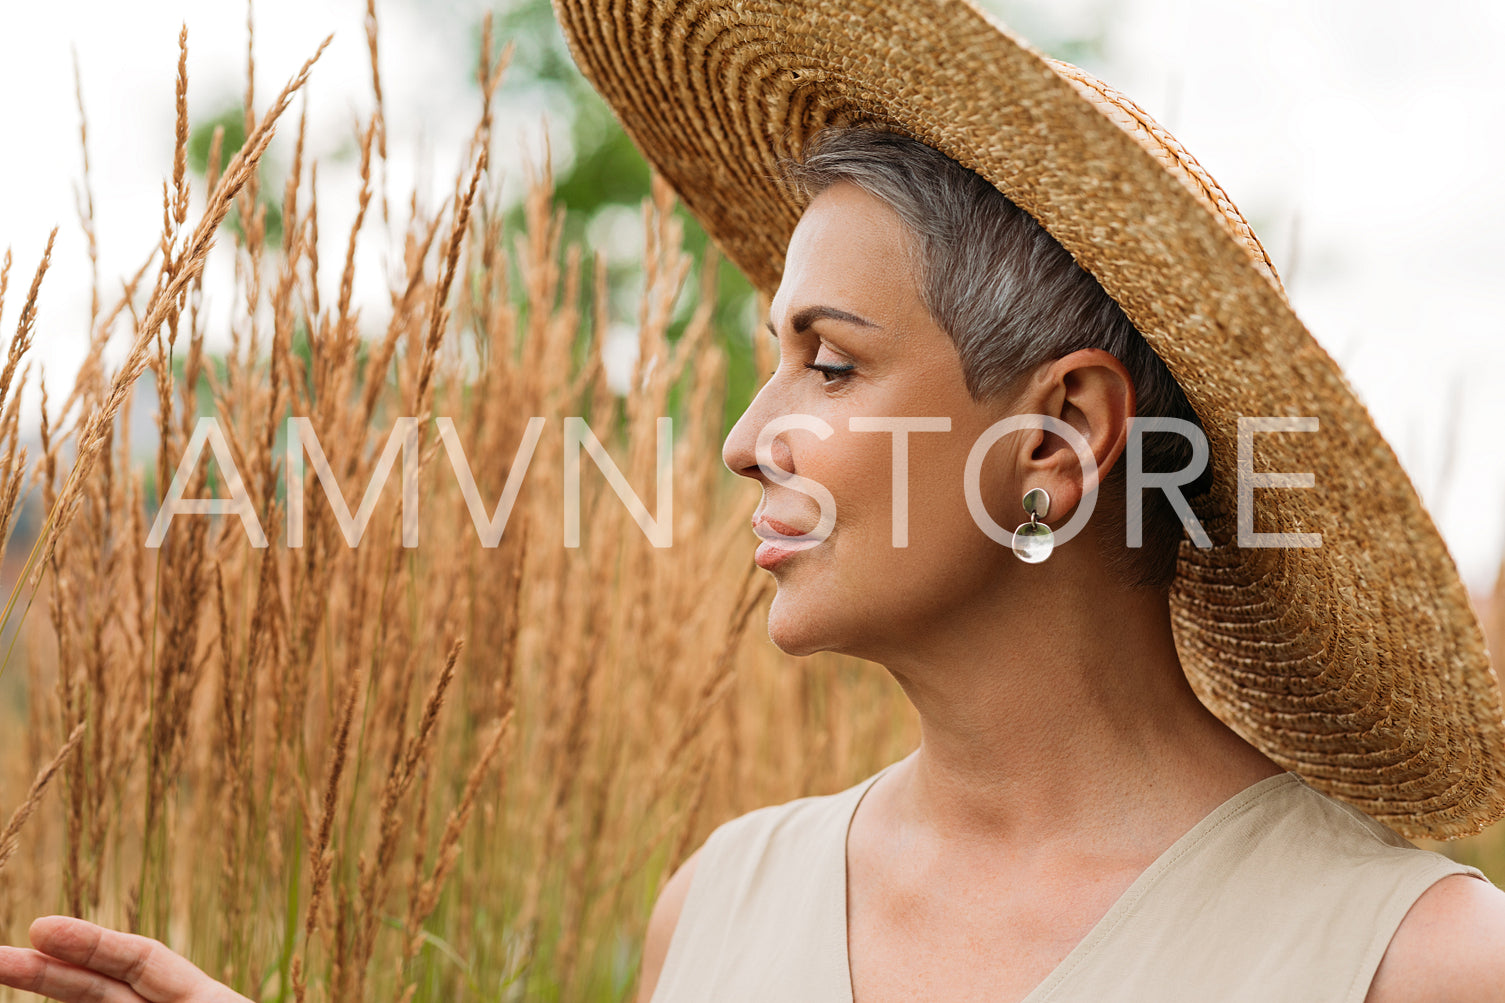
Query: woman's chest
[(967, 940)]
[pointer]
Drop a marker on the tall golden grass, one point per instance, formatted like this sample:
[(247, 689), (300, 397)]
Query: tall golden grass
[(434, 773), (442, 772)]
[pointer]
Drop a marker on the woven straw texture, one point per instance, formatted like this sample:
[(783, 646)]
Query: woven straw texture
[(1360, 663)]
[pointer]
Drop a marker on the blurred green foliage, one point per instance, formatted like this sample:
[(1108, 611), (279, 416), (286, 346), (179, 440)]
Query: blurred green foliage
[(606, 176), (201, 139)]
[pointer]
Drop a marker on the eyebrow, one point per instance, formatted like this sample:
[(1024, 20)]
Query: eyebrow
[(806, 316)]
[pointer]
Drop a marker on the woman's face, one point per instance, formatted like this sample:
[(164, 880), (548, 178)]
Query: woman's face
[(848, 305)]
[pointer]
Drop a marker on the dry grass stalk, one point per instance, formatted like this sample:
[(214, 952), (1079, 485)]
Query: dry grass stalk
[(26, 326), (380, 117), (174, 279), (12, 831), (376, 872), (4, 279), (323, 857), (84, 194), (439, 312)]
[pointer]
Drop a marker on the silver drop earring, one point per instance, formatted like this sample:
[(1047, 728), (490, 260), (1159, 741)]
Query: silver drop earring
[(1033, 540)]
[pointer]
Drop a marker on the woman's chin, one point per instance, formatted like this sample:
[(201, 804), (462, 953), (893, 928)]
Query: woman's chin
[(790, 642), (796, 629)]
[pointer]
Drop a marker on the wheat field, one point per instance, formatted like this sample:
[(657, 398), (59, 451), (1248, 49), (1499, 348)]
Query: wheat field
[(436, 772)]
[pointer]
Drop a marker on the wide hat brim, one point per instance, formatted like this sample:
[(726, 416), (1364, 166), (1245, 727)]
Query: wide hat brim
[(1360, 663)]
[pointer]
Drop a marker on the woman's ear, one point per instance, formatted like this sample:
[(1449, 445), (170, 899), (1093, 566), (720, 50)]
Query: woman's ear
[(1091, 391)]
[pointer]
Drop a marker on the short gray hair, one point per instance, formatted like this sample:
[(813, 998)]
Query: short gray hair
[(1011, 298)]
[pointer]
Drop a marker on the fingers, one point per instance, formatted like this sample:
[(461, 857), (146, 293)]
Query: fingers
[(156, 974), (35, 972)]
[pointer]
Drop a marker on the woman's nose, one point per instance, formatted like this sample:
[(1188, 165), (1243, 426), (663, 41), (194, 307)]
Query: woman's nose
[(739, 452)]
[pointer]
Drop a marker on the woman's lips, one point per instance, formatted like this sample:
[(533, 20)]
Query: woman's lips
[(776, 546), (769, 555), (766, 525)]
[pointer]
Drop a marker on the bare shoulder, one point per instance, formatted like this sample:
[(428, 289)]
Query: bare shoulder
[(661, 924), (1450, 948)]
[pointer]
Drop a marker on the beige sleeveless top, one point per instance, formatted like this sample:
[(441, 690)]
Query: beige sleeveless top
[(1281, 893)]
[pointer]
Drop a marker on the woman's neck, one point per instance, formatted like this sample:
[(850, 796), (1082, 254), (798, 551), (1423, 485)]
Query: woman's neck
[(1071, 716)]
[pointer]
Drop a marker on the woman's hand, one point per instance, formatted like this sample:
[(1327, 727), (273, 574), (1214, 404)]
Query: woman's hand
[(74, 961)]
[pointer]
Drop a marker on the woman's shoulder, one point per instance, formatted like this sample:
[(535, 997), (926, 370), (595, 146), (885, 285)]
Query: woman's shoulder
[(1284, 892), (1335, 832), (1442, 925), (1291, 847), (1450, 946), (789, 823), (764, 876)]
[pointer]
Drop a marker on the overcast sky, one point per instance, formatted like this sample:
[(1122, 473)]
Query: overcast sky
[(1362, 139)]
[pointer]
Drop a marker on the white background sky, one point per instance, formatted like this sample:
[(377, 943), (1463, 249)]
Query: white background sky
[(1362, 139)]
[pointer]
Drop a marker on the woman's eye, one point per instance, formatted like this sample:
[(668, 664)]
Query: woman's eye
[(833, 373)]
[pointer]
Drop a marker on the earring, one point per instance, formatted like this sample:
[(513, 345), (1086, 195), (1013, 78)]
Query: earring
[(1033, 540)]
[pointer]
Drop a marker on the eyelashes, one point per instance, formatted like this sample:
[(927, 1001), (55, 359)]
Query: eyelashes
[(832, 373)]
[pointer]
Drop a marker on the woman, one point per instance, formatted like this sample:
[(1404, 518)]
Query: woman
[(1076, 824), (1072, 804), (1100, 806)]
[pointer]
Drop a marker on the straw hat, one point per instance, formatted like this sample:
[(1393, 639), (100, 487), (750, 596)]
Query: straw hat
[(1359, 663)]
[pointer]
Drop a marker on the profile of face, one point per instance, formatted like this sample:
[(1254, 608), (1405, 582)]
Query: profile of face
[(856, 341)]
